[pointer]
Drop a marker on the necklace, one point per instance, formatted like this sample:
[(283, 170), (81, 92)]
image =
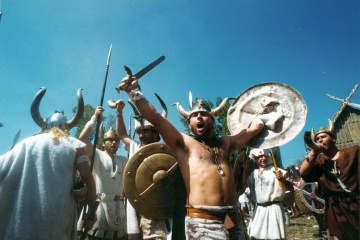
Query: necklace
[(214, 152)]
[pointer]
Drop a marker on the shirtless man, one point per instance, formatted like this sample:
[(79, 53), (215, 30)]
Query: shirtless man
[(205, 166)]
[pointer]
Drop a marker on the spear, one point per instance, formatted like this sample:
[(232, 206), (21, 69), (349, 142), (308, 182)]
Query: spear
[(101, 104), (84, 233)]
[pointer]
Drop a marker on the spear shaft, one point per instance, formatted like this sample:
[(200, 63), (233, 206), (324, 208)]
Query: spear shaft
[(101, 104), (85, 230)]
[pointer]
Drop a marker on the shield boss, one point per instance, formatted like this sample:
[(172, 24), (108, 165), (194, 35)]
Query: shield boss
[(149, 177), (247, 105)]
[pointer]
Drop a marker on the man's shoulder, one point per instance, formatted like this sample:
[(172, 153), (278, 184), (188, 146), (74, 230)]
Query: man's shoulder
[(353, 148)]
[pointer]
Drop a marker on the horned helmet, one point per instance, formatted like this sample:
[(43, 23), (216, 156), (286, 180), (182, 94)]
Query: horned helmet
[(109, 134), (330, 129), (141, 122), (58, 119), (201, 106)]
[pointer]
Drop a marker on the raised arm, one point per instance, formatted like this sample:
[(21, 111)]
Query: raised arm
[(120, 125), (89, 127), (168, 132), (241, 138)]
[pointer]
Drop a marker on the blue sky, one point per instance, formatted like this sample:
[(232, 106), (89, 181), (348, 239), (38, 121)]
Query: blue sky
[(213, 48)]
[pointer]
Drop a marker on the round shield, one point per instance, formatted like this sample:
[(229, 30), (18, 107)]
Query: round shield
[(148, 178), (247, 106), (311, 198)]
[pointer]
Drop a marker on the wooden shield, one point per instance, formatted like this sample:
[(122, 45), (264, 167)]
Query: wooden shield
[(247, 106), (149, 177)]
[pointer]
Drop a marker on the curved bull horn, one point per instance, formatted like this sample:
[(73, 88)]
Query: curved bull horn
[(111, 103), (136, 112), (163, 105), (79, 112), (331, 126), (101, 129), (217, 111), (313, 134), (34, 109), (181, 110)]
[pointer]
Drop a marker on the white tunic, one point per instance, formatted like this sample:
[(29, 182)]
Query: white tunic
[(131, 215), (36, 189), (267, 222), (111, 215)]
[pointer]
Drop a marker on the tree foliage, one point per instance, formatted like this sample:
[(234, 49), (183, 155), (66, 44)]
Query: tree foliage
[(89, 111)]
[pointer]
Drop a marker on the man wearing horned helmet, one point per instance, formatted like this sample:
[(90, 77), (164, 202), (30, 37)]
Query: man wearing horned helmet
[(108, 169), (337, 173), (204, 161), (150, 228), (37, 179)]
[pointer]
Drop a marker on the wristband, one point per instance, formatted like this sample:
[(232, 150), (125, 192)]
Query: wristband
[(135, 95), (92, 122)]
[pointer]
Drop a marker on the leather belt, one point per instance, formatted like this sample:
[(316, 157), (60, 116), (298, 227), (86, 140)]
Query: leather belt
[(205, 214), (265, 204)]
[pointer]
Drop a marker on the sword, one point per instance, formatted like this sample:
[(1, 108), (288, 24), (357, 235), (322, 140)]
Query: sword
[(139, 74)]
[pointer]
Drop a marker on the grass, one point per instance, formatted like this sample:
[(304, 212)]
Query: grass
[(303, 227)]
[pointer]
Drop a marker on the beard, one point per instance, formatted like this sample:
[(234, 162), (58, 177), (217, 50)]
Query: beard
[(203, 134)]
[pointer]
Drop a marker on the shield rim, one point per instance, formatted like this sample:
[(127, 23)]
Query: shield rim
[(306, 203), (276, 140)]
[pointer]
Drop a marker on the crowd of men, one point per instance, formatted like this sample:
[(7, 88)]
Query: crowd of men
[(37, 178)]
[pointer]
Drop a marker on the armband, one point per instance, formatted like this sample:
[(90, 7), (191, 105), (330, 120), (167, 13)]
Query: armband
[(135, 95), (81, 159), (92, 122)]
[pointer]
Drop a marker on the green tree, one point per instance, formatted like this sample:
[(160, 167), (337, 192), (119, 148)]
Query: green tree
[(89, 110)]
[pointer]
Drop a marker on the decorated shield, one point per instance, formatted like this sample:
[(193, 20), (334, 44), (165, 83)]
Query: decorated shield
[(311, 198), (149, 176), (286, 121)]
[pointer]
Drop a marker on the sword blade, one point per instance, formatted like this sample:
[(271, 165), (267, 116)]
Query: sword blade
[(149, 67), (141, 73)]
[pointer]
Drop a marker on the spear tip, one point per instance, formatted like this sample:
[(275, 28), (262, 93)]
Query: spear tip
[(109, 55)]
